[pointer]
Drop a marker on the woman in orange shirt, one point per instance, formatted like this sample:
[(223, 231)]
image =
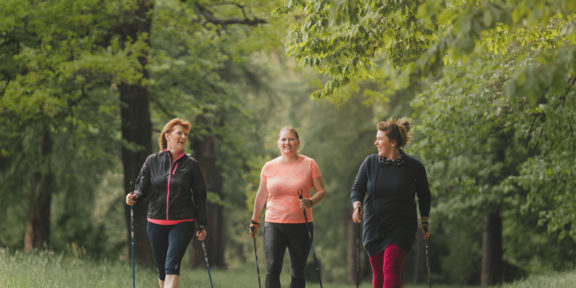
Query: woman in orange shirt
[(285, 225)]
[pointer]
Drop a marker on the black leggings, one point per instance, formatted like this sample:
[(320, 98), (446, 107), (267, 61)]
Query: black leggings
[(169, 243), (278, 237)]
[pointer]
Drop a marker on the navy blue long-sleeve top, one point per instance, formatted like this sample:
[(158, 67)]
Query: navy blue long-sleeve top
[(390, 208)]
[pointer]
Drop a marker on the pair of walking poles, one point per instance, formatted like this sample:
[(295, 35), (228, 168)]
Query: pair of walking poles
[(309, 232), (133, 244)]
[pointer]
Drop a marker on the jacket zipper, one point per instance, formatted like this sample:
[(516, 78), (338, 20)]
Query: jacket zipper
[(170, 173)]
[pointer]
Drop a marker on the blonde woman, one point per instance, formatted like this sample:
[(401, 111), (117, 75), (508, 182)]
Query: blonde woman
[(281, 180)]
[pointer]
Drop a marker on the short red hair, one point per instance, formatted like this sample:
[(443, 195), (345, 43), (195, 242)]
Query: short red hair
[(162, 142)]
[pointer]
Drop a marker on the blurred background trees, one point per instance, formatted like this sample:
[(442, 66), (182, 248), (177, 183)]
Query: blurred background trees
[(85, 88)]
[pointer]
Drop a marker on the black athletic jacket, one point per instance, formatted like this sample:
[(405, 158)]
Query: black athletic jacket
[(175, 191), (390, 215)]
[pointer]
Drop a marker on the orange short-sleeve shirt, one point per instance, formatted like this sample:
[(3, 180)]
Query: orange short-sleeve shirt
[(282, 183)]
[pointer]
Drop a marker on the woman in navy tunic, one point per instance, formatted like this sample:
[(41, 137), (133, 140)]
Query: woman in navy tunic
[(388, 183)]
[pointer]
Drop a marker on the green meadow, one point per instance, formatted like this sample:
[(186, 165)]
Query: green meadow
[(50, 269)]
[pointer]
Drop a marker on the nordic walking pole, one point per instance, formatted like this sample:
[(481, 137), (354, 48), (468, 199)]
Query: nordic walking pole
[(207, 264), (427, 241), (316, 266), (256, 256), (132, 238), (358, 255), (358, 233)]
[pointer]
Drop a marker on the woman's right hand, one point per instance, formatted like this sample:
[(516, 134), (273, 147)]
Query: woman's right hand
[(131, 198), (357, 215), (253, 229), (201, 233)]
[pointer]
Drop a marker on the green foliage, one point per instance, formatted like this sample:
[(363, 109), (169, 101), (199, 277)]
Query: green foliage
[(345, 39), (62, 65), (495, 128)]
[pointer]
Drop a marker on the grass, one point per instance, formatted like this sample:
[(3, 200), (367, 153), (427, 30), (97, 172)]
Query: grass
[(50, 269), (562, 280)]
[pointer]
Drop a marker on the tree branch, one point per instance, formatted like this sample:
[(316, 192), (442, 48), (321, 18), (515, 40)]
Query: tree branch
[(209, 16)]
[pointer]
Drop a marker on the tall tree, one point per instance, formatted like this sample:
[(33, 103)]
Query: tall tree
[(59, 75), (38, 223), (133, 31)]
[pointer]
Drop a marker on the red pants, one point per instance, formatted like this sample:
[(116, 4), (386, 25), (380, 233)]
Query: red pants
[(387, 267)]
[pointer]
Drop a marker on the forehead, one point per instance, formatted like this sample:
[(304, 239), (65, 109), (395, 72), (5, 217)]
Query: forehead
[(286, 134), (380, 134), (178, 127)]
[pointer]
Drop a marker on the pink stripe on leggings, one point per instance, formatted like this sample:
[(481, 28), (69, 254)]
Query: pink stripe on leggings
[(387, 267)]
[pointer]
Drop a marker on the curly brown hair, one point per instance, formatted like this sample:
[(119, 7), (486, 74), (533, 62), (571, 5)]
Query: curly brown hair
[(396, 131)]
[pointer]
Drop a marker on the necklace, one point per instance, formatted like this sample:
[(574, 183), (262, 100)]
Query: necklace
[(397, 161)]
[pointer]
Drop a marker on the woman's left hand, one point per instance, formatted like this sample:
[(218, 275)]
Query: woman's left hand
[(425, 228), (306, 203), (201, 234)]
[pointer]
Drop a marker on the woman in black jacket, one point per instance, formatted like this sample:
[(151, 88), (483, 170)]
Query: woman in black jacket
[(174, 185), (388, 182)]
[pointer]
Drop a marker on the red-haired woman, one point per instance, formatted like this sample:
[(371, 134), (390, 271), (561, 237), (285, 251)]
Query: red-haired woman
[(174, 185)]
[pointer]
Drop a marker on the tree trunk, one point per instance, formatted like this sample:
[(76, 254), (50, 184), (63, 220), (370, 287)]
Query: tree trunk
[(136, 128), (492, 264), (38, 223), (492, 249), (205, 153)]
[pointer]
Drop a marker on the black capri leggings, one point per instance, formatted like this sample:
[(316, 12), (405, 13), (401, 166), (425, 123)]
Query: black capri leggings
[(169, 243), (278, 237)]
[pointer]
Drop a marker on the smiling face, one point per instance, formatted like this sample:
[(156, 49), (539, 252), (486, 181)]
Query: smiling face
[(386, 148), (176, 139), (288, 143)]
